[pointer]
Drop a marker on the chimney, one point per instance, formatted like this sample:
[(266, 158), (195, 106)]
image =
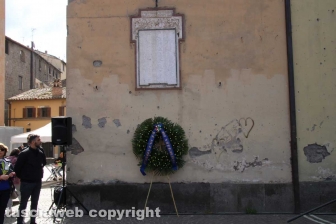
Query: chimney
[(56, 91), (46, 52)]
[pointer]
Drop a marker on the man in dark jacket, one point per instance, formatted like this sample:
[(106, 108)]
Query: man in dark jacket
[(29, 168)]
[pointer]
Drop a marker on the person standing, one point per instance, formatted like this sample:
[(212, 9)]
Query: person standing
[(16, 181), (29, 168), (6, 171)]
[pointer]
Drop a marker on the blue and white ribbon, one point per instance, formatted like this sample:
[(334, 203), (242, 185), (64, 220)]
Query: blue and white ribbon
[(158, 128), (169, 149)]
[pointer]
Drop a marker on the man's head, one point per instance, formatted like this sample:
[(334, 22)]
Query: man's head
[(28, 137), (34, 141)]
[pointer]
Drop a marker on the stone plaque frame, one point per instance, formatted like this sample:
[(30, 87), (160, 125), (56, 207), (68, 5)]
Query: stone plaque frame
[(157, 19)]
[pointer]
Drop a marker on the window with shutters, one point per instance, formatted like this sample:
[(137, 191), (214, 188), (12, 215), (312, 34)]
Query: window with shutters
[(44, 112), (29, 112), (61, 111)]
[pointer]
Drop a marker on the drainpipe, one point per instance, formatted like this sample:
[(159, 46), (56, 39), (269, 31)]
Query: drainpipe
[(9, 113), (293, 133)]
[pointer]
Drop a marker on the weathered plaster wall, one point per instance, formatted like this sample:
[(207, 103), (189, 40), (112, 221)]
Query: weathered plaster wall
[(233, 68), (314, 40), (2, 61)]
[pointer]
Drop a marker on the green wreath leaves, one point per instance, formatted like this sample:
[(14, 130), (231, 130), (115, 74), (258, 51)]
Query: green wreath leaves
[(159, 160)]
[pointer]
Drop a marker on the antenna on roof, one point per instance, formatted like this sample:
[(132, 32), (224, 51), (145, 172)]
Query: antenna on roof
[(32, 30)]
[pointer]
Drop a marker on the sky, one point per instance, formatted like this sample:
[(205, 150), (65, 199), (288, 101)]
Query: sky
[(41, 21)]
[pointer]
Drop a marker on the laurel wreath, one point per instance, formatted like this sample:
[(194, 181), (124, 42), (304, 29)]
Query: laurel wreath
[(159, 161)]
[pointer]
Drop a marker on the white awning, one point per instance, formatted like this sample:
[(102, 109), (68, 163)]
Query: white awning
[(44, 133)]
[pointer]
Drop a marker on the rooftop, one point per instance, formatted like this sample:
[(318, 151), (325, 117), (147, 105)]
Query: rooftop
[(39, 94)]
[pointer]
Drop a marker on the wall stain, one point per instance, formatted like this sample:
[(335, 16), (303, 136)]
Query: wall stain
[(195, 152), (86, 122), (229, 138), (117, 122), (326, 174), (321, 124), (102, 122), (315, 153), (313, 128), (75, 148), (242, 165), (74, 129)]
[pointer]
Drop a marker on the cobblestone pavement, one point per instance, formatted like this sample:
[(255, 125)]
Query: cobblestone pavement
[(46, 201)]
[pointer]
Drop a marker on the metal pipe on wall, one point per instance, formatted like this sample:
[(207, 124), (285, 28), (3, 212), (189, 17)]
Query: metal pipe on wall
[(292, 108)]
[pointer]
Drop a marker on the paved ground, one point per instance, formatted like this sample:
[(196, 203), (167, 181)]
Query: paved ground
[(46, 201)]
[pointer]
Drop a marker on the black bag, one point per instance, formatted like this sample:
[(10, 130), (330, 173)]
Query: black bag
[(57, 195)]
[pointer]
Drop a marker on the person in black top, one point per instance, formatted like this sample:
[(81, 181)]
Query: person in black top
[(29, 168), (58, 162)]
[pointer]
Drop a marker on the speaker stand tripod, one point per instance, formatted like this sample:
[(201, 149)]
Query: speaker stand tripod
[(64, 189)]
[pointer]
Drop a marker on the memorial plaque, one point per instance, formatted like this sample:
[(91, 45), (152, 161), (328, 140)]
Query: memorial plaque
[(157, 57), (157, 34)]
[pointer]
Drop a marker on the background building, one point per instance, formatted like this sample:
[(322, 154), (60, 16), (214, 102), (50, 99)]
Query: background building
[(56, 62), (34, 108), (25, 70)]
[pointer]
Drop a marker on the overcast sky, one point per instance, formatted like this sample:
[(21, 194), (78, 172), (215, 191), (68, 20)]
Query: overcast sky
[(46, 17)]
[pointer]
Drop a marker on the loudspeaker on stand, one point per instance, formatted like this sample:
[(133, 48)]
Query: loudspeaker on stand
[(61, 130)]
